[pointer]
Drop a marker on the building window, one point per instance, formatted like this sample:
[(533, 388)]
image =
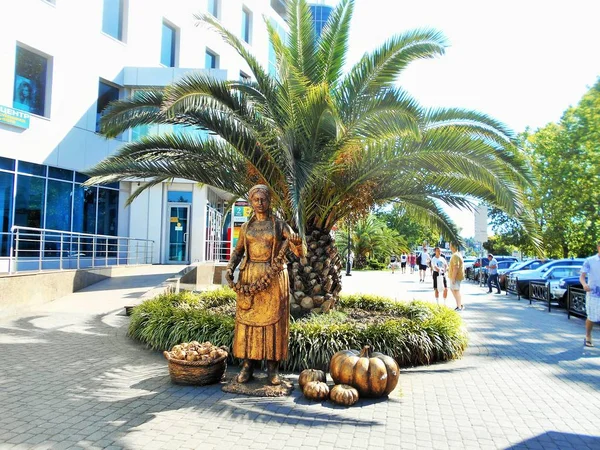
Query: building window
[(106, 94), (213, 7), (58, 203), (6, 197), (211, 60), (29, 205), (168, 43), (246, 25), (245, 77), (112, 18), (31, 80)]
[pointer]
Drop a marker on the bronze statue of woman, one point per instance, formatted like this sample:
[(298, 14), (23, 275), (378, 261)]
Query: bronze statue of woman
[(263, 308)]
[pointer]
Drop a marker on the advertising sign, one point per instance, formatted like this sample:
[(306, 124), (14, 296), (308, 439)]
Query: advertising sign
[(241, 214), (14, 117)]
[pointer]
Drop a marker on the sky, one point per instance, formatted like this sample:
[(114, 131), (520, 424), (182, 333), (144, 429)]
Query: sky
[(523, 62)]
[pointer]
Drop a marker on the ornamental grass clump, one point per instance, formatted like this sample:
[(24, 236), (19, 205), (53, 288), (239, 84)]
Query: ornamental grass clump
[(413, 333)]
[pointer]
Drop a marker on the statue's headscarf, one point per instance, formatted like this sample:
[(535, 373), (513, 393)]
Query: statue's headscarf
[(260, 188)]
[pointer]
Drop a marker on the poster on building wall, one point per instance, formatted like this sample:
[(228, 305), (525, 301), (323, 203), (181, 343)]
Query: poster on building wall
[(241, 213)]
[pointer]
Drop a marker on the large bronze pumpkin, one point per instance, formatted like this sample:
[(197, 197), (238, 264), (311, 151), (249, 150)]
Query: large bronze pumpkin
[(316, 390), (372, 374), (342, 394), (308, 375)]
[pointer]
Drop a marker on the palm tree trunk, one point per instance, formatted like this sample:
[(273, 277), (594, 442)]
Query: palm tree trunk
[(316, 285)]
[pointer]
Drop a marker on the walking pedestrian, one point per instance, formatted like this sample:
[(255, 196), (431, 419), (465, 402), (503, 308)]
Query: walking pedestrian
[(403, 260), (591, 268), (456, 273), (423, 260), (393, 263), (412, 261), (493, 274), (439, 266)]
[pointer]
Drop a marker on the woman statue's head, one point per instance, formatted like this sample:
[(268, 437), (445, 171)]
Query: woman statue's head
[(260, 198)]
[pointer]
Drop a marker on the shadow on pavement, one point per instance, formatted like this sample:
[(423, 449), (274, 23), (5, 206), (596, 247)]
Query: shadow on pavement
[(556, 439)]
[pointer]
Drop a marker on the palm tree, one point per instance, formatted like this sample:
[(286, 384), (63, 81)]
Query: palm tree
[(371, 239), (330, 145)]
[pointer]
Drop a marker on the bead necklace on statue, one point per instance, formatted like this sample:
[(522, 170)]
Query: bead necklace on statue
[(263, 283)]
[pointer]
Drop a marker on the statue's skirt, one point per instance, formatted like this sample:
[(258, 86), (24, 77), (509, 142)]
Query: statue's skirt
[(252, 338)]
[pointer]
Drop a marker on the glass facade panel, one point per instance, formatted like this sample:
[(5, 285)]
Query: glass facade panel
[(112, 18), (167, 48), (106, 94), (179, 197), (7, 163), (6, 197), (272, 58), (213, 7), (60, 174), (32, 168), (246, 24), (29, 205), (108, 203), (58, 205), (84, 209), (31, 76), (211, 60), (320, 15)]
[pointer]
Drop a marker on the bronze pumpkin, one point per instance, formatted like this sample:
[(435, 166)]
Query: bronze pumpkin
[(308, 375), (342, 394), (372, 374), (316, 390)]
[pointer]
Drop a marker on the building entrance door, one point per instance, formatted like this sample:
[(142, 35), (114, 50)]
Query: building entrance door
[(178, 249)]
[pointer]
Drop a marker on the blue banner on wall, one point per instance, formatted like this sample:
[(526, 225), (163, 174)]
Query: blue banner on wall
[(14, 117)]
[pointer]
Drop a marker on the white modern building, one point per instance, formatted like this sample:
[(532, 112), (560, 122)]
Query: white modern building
[(61, 63)]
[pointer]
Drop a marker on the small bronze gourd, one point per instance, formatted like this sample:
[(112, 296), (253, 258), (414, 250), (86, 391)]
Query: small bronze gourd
[(344, 395), (308, 375), (316, 390)]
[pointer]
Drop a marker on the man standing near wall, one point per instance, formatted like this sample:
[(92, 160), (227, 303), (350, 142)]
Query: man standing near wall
[(591, 268)]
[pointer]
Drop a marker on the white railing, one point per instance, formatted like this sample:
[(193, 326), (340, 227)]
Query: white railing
[(38, 249), (217, 250)]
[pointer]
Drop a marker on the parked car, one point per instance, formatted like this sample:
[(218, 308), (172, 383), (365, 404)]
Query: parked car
[(531, 264), (555, 274), (523, 277), (560, 290), (473, 272)]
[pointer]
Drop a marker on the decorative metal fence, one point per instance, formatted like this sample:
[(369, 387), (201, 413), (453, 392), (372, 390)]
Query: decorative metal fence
[(539, 290), (512, 286), (576, 302), (38, 249)]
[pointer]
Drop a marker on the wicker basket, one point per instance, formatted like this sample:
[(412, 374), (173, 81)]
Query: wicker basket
[(197, 373)]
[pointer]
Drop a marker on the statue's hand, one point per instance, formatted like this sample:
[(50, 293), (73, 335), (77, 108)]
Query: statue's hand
[(295, 239), (229, 277)]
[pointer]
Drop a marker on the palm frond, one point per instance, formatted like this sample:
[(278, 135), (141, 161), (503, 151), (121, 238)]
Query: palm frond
[(333, 45)]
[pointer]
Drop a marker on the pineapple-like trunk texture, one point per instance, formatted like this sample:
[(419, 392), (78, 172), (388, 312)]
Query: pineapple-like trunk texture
[(315, 287)]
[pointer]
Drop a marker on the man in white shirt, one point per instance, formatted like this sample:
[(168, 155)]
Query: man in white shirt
[(591, 268), (439, 267)]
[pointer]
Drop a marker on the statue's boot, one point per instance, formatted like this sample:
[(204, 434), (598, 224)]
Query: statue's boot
[(246, 372), (273, 371)]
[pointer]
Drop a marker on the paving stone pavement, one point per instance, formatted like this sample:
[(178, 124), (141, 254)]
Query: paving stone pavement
[(70, 378)]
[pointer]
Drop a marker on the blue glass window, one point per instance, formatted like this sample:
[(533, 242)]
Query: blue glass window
[(112, 18), (29, 205), (7, 163), (167, 49), (213, 7), (179, 197), (84, 209), (106, 94), (108, 206), (32, 168), (6, 196), (31, 75), (58, 205), (211, 60), (80, 177), (246, 24), (60, 174)]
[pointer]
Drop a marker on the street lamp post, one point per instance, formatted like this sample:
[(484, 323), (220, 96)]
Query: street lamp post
[(348, 260)]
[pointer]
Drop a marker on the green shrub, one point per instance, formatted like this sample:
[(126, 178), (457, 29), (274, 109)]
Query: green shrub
[(413, 333), (373, 264)]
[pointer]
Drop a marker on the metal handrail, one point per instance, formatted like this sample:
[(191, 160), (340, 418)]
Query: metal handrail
[(39, 249)]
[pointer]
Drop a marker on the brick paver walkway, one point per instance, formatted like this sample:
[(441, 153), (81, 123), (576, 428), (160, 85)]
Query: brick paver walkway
[(70, 378)]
